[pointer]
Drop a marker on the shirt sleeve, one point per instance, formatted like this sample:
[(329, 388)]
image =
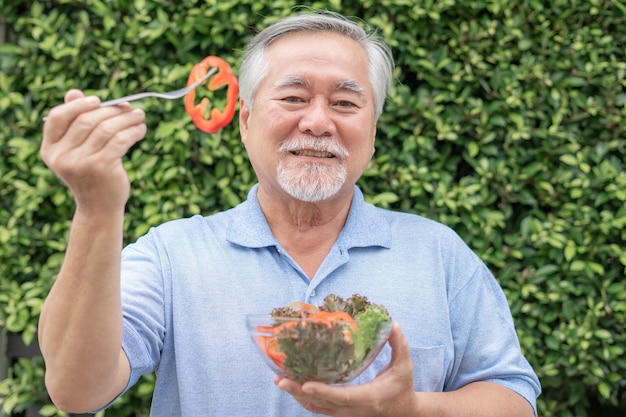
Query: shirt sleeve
[(144, 303), (486, 344)]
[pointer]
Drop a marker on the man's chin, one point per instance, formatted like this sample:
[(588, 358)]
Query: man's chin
[(311, 194), (308, 197), (312, 185)]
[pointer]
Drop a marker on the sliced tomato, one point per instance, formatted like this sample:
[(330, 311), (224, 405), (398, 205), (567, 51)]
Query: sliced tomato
[(302, 307)]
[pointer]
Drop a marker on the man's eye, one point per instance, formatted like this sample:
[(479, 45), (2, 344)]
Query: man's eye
[(293, 99), (345, 103)]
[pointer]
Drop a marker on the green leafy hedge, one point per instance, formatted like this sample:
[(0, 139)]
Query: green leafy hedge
[(507, 123)]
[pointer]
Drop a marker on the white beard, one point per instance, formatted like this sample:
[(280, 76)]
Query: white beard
[(312, 182)]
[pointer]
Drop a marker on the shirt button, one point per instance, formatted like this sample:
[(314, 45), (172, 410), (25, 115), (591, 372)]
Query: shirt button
[(312, 293)]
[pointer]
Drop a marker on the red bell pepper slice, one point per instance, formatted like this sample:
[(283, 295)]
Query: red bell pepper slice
[(218, 118)]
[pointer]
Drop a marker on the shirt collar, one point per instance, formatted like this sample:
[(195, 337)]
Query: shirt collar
[(365, 226)]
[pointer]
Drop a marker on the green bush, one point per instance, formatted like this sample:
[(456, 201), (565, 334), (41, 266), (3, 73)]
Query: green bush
[(508, 123)]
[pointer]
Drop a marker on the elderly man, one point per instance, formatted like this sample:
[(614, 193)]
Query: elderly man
[(174, 302)]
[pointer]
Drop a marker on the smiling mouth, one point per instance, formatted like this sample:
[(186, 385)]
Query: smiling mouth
[(316, 154)]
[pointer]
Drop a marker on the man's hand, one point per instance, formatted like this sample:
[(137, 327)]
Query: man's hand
[(391, 393), (81, 340), (84, 144)]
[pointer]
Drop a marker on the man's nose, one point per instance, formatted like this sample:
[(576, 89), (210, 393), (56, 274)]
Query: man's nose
[(317, 119)]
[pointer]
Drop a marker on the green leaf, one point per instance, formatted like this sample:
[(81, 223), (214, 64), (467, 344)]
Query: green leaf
[(604, 389)]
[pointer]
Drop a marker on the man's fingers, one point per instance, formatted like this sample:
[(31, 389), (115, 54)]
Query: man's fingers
[(75, 104), (92, 128), (61, 117), (73, 94), (339, 396), (121, 132), (400, 351)]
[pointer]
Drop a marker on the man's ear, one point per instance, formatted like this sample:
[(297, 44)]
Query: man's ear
[(374, 141), (244, 114)]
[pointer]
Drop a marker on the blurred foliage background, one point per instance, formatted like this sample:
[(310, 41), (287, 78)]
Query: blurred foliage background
[(507, 122)]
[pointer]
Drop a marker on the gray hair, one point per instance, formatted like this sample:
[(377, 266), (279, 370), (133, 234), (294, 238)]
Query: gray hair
[(254, 66)]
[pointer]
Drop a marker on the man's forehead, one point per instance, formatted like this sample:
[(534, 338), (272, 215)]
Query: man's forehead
[(294, 81)]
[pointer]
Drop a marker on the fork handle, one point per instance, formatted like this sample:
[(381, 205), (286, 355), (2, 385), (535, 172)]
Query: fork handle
[(169, 95), (132, 97)]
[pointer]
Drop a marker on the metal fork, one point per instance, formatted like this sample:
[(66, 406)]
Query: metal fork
[(170, 95)]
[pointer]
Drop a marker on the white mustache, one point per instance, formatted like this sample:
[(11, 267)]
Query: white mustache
[(314, 144)]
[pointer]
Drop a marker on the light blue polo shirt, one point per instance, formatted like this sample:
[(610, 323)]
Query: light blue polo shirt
[(188, 284)]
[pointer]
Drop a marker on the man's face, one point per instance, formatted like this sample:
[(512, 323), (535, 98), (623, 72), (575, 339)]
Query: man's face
[(311, 131)]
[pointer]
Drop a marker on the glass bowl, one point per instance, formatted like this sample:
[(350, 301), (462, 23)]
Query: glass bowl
[(306, 349)]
